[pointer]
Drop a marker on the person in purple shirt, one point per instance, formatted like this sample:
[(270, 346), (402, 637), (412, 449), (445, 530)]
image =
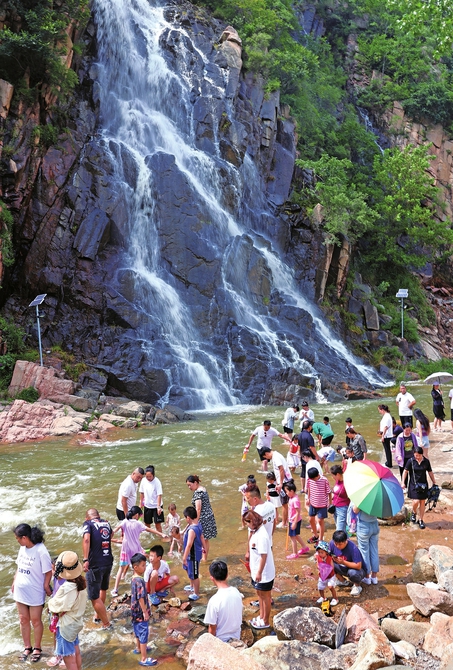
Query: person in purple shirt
[(349, 565)]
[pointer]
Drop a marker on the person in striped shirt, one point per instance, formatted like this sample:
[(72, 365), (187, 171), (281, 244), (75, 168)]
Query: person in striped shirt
[(318, 499)]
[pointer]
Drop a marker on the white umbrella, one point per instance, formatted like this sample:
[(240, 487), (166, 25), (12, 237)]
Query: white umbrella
[(438, 377)]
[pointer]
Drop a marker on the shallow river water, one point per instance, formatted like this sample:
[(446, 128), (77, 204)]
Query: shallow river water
[(52, 483)]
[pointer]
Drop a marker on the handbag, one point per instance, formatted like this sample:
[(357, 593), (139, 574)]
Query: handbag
[(419, 486)]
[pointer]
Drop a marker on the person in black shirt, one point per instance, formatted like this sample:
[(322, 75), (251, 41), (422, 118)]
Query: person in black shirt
[(97, 562), (306, 442)]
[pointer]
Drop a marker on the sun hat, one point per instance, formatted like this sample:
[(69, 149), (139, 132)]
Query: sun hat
[(322, 544), (68, 566)]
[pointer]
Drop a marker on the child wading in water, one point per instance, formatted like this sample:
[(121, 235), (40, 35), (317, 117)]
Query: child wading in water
[(326, 573), (140, 609), (295, 521), (173, 523)]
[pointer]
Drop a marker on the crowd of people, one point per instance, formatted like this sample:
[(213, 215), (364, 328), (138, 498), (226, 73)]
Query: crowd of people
[(70, 581)]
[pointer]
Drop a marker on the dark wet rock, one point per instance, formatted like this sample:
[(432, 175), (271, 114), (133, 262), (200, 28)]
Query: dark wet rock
[(307, 624)]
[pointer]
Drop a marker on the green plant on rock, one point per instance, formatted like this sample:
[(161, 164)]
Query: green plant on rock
[(29, 394), (6, 235)]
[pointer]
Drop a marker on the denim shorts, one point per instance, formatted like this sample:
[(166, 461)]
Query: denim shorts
[(141, 631), (63, 647), (296, 531), (320, 512), (262, 586)]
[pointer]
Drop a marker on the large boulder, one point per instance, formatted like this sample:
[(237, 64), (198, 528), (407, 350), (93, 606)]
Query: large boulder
[(210, 653), (423, 567), (410, 631), (442, 557), (440, 635), (374, 651), (47, 381), (307, 624), (429, 600), (446, 661), (446, 581), (357, 622), (295, 655)]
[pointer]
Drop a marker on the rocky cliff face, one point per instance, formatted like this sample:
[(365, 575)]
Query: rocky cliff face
[(157, 224)]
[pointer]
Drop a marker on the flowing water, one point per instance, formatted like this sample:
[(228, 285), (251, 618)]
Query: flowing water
[(146, 114), (52, 484)]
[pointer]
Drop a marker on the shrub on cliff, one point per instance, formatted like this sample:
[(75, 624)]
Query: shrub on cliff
[(30, 394), (34, 50)]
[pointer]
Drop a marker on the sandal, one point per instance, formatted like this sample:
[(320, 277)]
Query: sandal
[(36, 654), (24, 656), (258, 623)]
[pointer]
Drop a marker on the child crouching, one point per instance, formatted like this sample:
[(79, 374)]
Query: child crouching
[(326, 573)]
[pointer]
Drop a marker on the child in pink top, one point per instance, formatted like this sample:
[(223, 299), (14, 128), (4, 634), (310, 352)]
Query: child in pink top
[(132, 529), (294, 520), (326, 572)]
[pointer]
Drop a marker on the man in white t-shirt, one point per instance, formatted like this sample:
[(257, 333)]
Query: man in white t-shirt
[(450, 395), (264, 433), (282, 474), (151, 499), (405, 402), (291, 415), (224, 611), (264, 508), (127, 495)]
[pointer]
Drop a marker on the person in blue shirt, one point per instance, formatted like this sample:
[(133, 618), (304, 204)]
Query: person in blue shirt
[(349, 564)]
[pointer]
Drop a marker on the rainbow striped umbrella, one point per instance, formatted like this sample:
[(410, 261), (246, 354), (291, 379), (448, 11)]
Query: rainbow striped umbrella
[(373, 488)]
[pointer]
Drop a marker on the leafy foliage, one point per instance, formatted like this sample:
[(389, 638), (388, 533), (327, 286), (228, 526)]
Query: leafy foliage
[(6, 235), (30, 394), (36, 49)]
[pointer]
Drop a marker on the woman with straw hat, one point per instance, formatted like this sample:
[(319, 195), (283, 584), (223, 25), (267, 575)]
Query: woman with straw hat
[(69, 603)]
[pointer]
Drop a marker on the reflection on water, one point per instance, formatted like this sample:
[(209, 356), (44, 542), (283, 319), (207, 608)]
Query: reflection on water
[(53, 483)]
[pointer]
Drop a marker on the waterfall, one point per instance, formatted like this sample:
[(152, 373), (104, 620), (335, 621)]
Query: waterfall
[(147, 131)]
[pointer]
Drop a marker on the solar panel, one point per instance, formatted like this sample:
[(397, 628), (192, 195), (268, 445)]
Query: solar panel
[(38, 300)]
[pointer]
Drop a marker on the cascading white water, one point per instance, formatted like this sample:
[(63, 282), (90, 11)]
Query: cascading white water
[(140, 122)]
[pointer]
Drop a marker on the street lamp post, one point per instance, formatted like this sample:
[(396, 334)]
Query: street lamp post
[(402, 293), (35, 303)]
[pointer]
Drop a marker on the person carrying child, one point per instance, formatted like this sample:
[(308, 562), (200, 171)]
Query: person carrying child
[(295, 521), (132, 529), (69, 603), (157, 575), (194, 543), (173, 523), (326, 573), (293, 458), (140, 610), (318, 499), (245, 506), (57, 582)]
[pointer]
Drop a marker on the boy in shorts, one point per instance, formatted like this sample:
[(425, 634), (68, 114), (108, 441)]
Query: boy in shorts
[(157, 575), (318, 499), (140, 610), (193, 544)]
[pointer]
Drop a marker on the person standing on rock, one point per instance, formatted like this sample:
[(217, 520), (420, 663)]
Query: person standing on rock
[(264, 508), (262, 567), (405, 402), (151, 499), (127, 494), (406, 443), (265, 434), (291, 415), (97, 562)]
